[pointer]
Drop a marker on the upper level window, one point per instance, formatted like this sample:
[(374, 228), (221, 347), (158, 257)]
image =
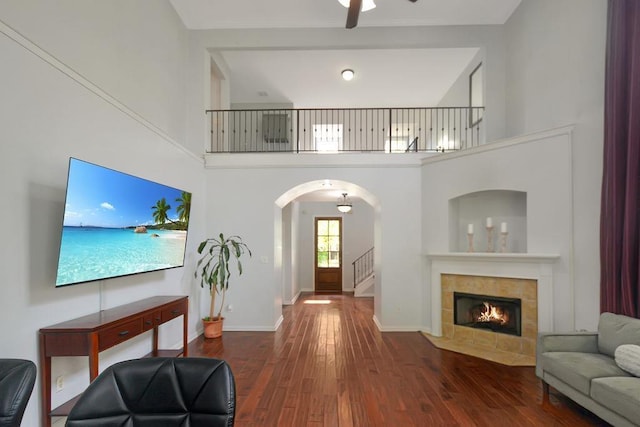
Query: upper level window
[(327, 138)]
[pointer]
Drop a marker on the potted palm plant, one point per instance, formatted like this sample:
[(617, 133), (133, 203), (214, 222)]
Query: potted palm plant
[(214, 272)]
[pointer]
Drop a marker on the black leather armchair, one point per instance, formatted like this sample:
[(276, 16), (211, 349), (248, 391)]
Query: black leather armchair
[(17, 377), (159, 392)]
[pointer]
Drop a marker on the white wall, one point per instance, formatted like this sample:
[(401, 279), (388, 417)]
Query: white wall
[(492, 90), (555, 76), (255, 216), (105, 55), (512, 165), (458, 93), (134, 51), (357, 238), (288, 280)]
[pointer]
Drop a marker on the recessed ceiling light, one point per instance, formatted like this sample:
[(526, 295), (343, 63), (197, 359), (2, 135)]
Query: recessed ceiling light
[(347, 74)]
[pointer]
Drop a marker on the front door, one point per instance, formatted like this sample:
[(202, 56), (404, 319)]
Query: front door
[(328, 256)]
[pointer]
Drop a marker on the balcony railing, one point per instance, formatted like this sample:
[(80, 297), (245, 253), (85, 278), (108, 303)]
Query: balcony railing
[(389, 130)]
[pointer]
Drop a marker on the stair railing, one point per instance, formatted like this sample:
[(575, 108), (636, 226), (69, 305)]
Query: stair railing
[(362, 267)]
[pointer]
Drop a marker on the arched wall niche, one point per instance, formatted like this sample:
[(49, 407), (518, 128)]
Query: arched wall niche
[(473, 209)]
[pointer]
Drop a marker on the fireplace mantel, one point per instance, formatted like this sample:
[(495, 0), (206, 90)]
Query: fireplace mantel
[(515, 265), (493, 257)]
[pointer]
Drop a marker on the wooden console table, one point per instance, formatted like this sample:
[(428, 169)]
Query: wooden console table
[(91, 334)]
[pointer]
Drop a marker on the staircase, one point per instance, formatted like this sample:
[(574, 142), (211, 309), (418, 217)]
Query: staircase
[(363, 275), (365, 287)]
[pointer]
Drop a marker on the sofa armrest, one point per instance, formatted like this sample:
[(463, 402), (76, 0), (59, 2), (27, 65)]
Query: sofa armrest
[(581, 342)]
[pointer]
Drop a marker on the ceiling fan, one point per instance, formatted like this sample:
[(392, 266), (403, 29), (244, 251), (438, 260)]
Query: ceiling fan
[(354, 12)]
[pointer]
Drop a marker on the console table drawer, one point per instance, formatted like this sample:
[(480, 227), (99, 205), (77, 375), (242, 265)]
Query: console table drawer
[(119, 334), (151, 320), (173, 311)]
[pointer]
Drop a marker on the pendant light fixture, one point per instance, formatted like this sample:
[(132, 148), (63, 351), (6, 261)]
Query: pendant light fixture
[(344, 204)]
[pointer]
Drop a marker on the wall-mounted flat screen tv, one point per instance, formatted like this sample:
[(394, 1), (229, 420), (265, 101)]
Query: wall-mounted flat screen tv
[(117, 224)]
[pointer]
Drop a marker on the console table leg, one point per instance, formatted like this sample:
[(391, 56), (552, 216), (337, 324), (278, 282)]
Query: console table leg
[(185, 332), (154, 350), (93, 356), (45, 384)]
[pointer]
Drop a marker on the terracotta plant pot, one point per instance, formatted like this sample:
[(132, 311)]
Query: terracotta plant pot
[(213, 328)]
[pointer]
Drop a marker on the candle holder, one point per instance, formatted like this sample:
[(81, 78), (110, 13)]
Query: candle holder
[(470, 242), (490, 239), (503, 241)]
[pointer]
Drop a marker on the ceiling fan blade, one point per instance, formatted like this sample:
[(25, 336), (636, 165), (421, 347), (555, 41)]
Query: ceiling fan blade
[(354, 13)]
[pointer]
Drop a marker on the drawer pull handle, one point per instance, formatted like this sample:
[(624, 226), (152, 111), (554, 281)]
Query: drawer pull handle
[(175, 312), (123, 333), (157, 319), (147, 322)]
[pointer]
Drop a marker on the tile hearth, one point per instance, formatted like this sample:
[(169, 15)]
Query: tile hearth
[(498, 347)]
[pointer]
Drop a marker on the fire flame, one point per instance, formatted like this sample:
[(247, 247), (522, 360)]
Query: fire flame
[(492, 313)]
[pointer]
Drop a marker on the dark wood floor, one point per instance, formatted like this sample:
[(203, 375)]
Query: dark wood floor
[(328, 365)]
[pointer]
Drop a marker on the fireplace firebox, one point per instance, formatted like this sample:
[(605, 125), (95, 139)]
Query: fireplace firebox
[(498, 314)]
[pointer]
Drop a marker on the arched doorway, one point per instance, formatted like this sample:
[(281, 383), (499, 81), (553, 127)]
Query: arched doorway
[(297, 209)]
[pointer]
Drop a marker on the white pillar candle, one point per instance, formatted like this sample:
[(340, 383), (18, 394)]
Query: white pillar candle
[(489, 222), (503, 227), (470, 229)]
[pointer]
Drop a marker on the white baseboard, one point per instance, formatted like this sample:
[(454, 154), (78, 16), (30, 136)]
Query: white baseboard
[(254, 328), (378, 325), (396, 328), (248, 328), (365, 295), (293, 300), (280, 320)]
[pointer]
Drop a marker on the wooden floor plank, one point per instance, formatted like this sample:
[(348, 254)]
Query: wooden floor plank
[(329, 365)]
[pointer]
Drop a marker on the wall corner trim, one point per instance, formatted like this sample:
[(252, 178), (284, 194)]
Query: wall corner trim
[(91, 87)]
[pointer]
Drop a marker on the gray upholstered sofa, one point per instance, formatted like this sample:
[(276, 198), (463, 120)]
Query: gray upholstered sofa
[(582, 366)]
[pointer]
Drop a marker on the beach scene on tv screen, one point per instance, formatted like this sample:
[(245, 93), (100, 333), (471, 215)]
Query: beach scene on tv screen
[(117, 224)]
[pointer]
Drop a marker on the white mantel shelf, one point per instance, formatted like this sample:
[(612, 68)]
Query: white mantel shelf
[(493, 256), (515, 265)]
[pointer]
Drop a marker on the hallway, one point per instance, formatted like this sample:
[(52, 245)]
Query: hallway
[(329, 365)]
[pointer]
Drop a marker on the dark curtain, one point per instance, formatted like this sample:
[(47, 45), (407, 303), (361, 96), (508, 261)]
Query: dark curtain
[(619, 223)]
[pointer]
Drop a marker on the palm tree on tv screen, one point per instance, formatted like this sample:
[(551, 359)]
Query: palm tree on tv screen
[(184, 208), (160, 211)]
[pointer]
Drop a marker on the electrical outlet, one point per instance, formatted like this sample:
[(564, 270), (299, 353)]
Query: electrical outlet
[(229, 307), (60, 383)]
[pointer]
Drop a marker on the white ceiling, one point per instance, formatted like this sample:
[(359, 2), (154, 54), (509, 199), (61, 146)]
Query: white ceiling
[(210, 14), (311, 78)]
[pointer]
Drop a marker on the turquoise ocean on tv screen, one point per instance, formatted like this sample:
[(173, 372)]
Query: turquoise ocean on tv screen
[(94, 253)]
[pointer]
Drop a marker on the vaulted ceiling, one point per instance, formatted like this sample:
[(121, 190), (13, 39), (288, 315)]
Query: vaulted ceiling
[(216, 14), (407, 77), (311, 78)]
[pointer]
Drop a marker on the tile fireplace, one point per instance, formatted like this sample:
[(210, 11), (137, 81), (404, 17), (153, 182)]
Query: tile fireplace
[(497, 314), (511, 298), (517, 286)]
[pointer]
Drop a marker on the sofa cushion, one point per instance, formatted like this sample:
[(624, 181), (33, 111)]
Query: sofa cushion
[(620, 394), (627, 358), (615, 330), (578, 369)]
